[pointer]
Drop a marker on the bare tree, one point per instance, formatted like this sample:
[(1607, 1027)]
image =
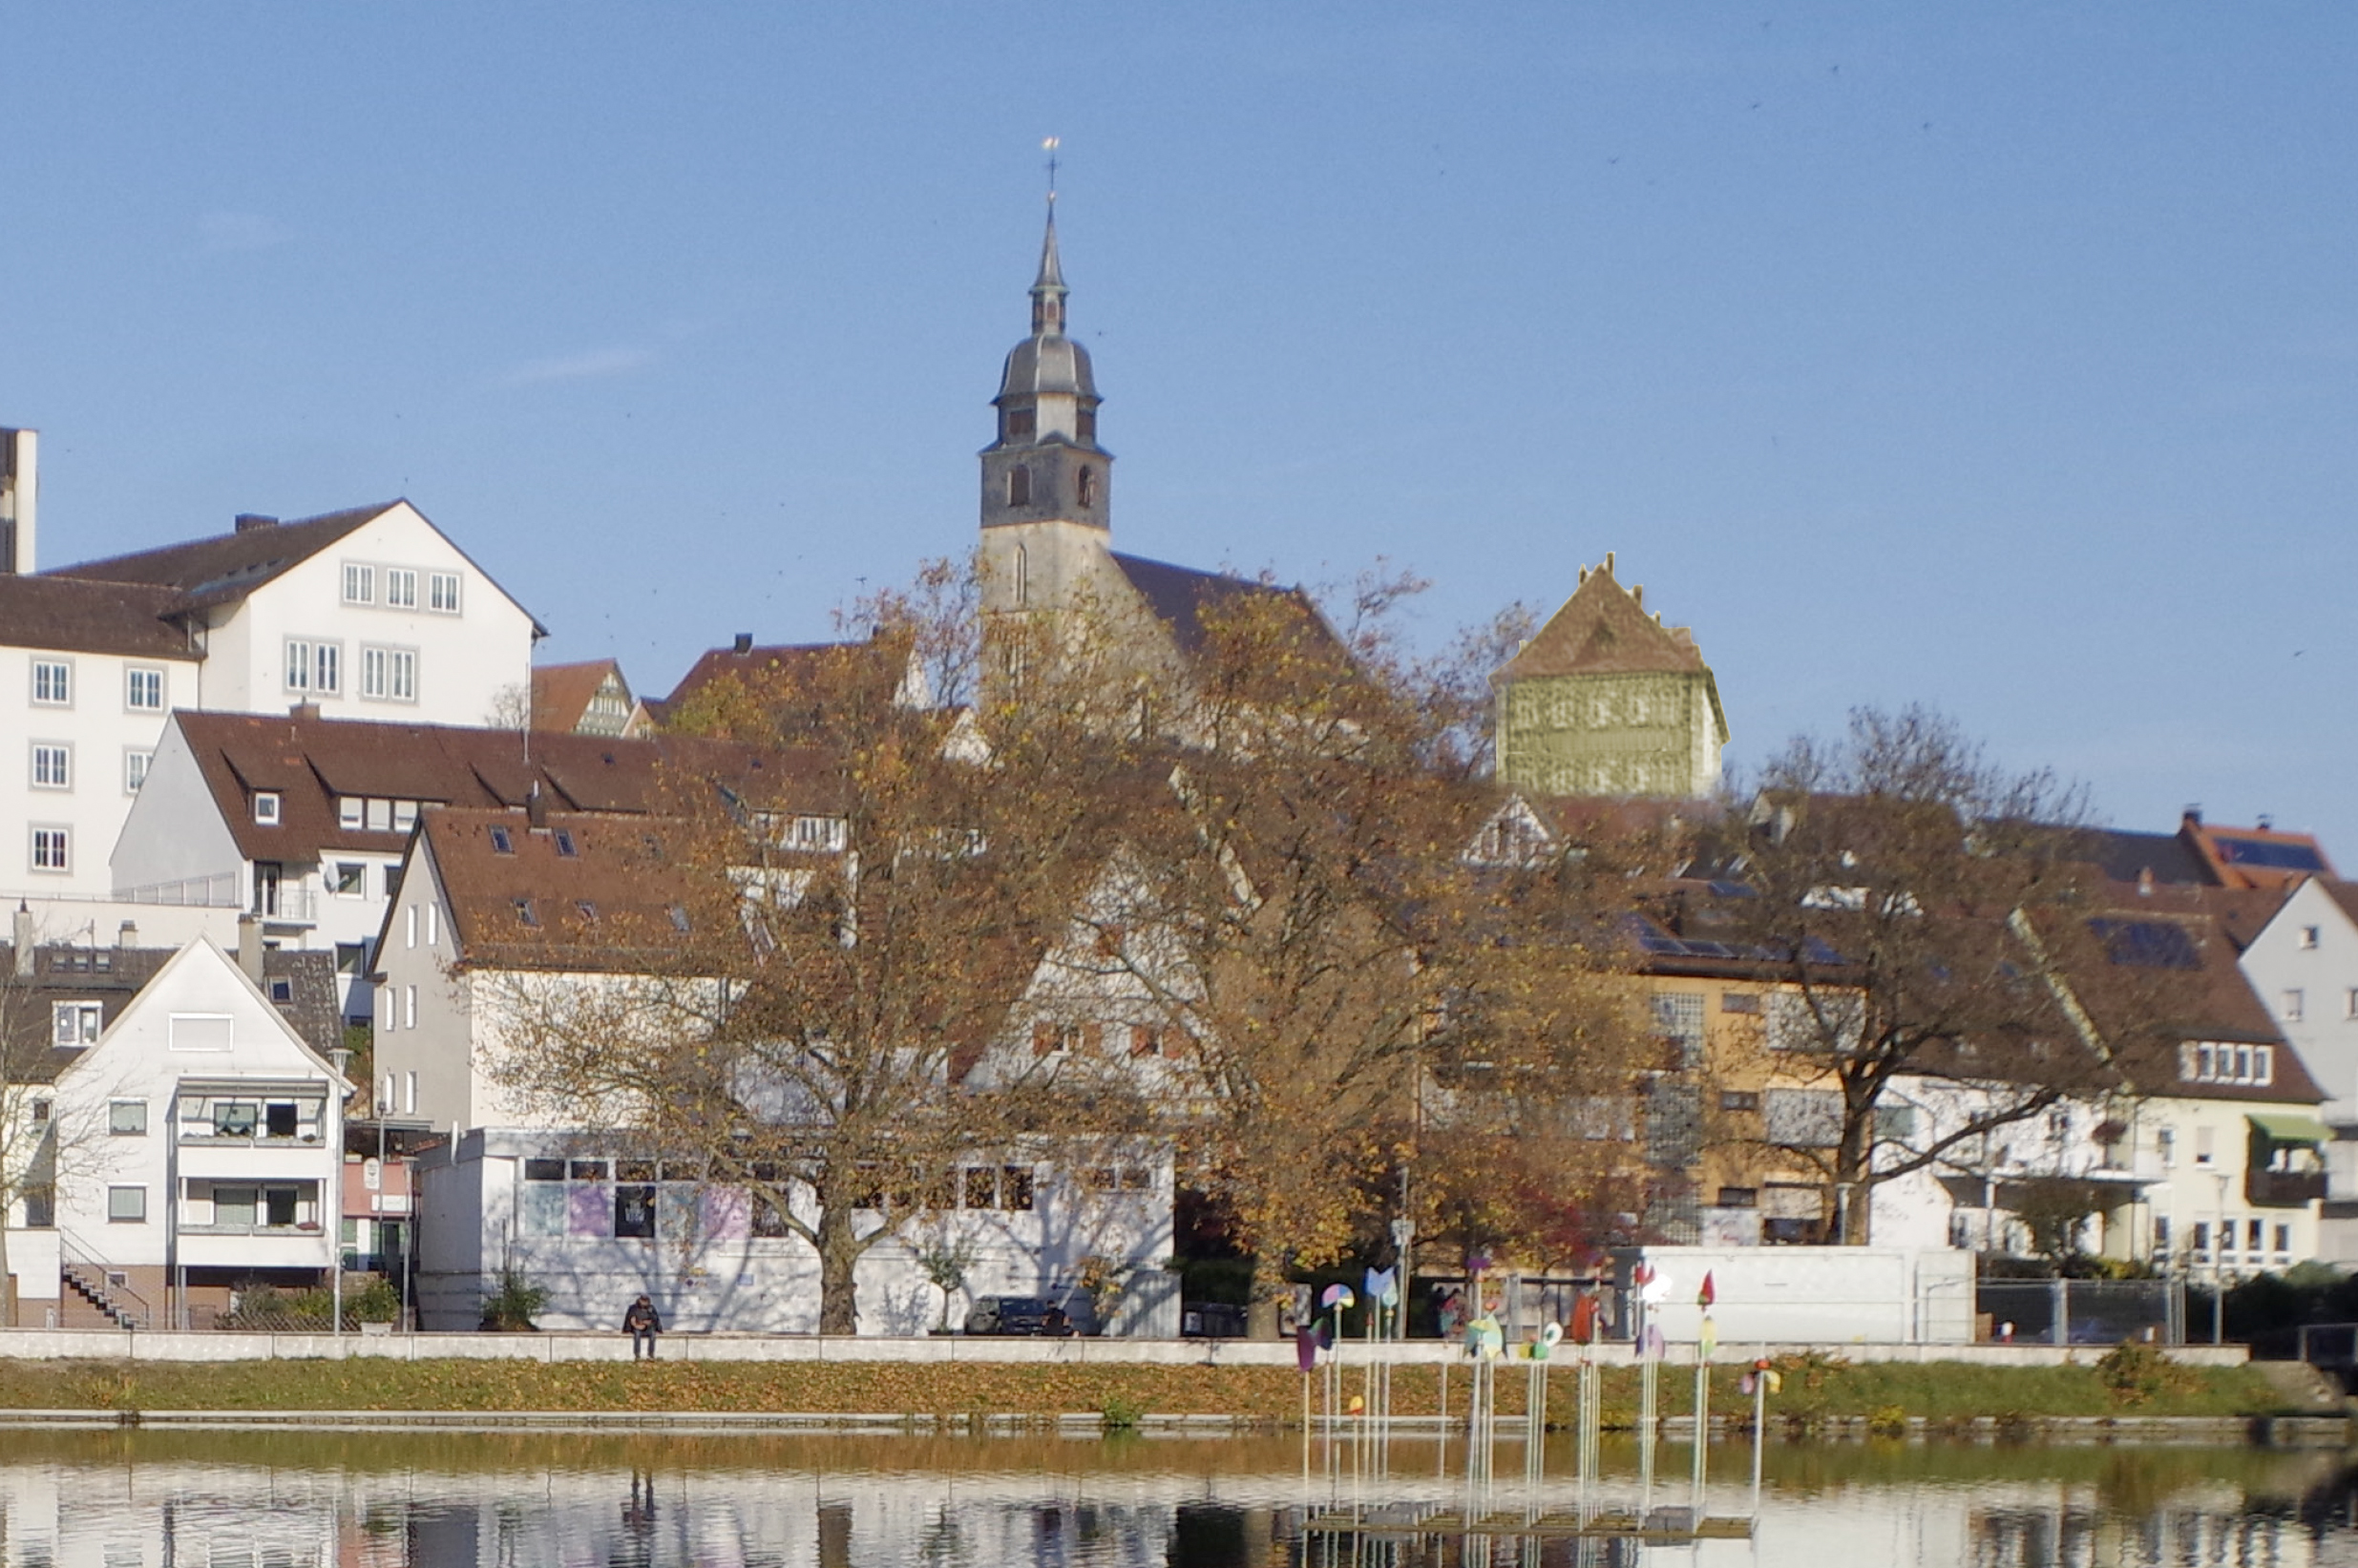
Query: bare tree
[(1924, 909)]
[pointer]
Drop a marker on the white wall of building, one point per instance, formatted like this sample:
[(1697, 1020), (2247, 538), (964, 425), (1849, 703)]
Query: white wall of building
[(104, 736)]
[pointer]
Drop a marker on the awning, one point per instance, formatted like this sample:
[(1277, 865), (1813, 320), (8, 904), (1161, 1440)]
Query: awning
[(2283, 1127)]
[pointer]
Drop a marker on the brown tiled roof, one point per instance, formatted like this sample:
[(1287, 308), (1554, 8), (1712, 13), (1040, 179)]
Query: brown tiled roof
[(782, 661), (1180, 594), (112, 976), (609, 905), (314, 761), (2255, 857), (91, 618), (1603, 630), (562, 693), (2344, 894), (230, 565)]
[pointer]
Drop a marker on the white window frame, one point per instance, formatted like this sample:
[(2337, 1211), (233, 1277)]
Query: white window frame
[(386, 671), (52, 765), (134, 676), (116, 1206), (334, 874), (73, 1024), (401, 588), (136, 760), (2295, 1004), (360, 583), (314, 665), (267, 807), (53, 682), (442, 593), (113, 1119), (408, 1007), (51, 851), (352, 812)]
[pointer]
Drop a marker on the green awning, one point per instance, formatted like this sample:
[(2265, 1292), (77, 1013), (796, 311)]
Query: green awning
[(2282, 1127)]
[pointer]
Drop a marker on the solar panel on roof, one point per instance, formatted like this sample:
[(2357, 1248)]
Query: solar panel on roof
[(2147, 944), (2274, 854)]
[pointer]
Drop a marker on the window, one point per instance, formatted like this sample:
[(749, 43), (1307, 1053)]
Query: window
[(442, 593), (143, 689), (2209, 1062), (1022, 422), (1738, 1099), (2311, 935), (127, 1117), (267, 807), (390, 675), (41, 1113), (2165, 1144), (40, 1208), (564, 844), (1087, 485), (352, 813), (409, 1086), (2253, 1230), (359, 583), (408, 1007), (2162, 1235), (1015, 1187), (2292, 1007), (2349, 1003), (51, 849), (53, 682), (314, 666), (501, 843), (1895, 1123), (75, 1024), (2283, 1238), (1740, 1001), (1019, 486), (135, 770), (2202, 1137), (400, 588), (410, 934), (1678, 1018), (2201, 1236), (1022, 577), (236, 1117), (53, 766), (1739, 1197), (126, 1206), (349, 879), (432, 917), (524, 912)]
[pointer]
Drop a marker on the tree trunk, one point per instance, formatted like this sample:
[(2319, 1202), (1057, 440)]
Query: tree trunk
[(839, 1255), (1269, 1286), (1853, 1196), (8, 1286)]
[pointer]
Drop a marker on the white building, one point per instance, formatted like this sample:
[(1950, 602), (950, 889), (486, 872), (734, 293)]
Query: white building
[(371, 613), (2302, 965), (195, 1149)]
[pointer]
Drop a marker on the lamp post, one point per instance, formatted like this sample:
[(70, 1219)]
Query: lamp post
[(2218, 1264)]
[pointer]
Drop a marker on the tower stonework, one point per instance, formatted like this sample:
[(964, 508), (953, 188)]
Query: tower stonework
[(1047, 485), (1608, 700)]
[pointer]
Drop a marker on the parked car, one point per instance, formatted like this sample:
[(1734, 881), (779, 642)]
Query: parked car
[(1030, 1314)]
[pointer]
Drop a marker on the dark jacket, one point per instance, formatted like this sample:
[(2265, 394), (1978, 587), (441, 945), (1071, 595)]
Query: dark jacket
[(641, 1314)]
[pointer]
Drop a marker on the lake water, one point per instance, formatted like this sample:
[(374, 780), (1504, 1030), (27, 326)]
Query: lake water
[(188, 1500)]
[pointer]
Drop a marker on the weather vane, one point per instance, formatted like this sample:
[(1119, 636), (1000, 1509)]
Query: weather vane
[(1049, 145)]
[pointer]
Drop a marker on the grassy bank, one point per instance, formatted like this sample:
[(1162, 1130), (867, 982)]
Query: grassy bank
[(1814, 1388)]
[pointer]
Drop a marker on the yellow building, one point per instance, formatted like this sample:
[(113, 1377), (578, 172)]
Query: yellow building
[(1608, 700)]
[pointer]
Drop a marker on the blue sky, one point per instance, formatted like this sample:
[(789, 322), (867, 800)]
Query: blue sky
[(1999, 357)]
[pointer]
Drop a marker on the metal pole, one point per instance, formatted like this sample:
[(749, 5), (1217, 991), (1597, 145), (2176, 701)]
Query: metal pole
[(1760, 1426)]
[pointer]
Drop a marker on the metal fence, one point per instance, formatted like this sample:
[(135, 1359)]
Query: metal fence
[(2080, 1311)]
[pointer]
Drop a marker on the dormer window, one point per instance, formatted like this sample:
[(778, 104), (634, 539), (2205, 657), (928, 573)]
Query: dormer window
[(564, 844), (1019, 486), (501, 843), (267, 807)]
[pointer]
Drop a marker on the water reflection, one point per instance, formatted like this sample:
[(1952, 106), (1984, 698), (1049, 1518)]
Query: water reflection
[(449, 1500)]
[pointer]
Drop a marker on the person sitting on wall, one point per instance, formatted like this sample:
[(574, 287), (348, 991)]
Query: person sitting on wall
[(1056, 1324), (641, 1323)]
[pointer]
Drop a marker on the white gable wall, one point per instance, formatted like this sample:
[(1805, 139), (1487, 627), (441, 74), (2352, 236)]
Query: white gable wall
[(463, 660), (173, 832)]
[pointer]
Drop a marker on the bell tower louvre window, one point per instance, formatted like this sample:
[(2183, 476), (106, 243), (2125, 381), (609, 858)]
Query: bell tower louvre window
[(1019, 486)]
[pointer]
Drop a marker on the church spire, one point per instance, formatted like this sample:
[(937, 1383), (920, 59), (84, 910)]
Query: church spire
[(1048, 288)]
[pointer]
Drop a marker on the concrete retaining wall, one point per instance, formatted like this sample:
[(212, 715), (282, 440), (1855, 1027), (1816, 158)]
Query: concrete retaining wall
[(63, 1343)]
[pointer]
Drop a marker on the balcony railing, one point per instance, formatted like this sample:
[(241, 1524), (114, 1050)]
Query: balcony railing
[(2283, 1189), (218, 891)]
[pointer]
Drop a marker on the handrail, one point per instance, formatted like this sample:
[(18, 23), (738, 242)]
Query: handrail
[(73, 1251)]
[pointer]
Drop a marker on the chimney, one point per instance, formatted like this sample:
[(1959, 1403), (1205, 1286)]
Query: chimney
[(2192, 817), (129, 935), (19, 489), (24, 941), (2267, 822), (537, 808), (249, 947), (249, 521), (745, 642), (302, 710)]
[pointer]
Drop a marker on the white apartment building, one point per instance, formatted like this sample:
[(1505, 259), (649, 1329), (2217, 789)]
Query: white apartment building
[(371, 613)]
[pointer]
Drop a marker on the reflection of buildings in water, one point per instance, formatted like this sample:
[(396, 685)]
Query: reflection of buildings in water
[(170, 1513)]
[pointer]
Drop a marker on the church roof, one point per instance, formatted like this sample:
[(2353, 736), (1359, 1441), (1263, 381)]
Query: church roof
[(1603, 629), (1179, 595)]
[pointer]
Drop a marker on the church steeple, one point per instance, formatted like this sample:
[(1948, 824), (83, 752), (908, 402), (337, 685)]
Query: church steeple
[(1046, 466), (1048, 288)]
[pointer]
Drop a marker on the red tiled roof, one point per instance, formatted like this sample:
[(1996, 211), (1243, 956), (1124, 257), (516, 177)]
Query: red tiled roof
[(562, 693), (1603, 630), (606, 905)]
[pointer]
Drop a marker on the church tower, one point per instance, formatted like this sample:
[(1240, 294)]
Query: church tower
[(1047, 483)]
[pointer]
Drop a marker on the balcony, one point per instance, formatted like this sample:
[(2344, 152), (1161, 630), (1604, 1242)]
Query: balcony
[(2283, 1189)]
